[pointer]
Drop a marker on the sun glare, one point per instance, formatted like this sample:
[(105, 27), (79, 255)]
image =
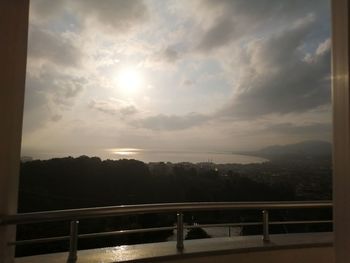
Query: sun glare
[(129, 80)]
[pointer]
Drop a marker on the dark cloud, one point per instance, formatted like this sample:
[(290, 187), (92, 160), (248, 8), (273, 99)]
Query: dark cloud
[(56, 117), (233, 19), (119, 15), (188, 82), (170, 55), (113, 107), (128, 110), (222, 32), (266, 9), (52, 47), (47, 94), (36, 112), (43, 9), (57, 87), (66, 89), (167, 55), (35, 94), (73, 88), (279, 78), (301, 129), (173, 122)]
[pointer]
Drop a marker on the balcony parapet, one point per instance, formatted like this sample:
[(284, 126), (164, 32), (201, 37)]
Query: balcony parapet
[(315, 247)]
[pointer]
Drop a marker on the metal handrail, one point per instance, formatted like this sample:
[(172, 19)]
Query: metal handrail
[(95, 212), (75, 214)]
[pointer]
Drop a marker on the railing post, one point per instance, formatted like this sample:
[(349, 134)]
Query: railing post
[(73, 242), (266, 236), (180, 231)]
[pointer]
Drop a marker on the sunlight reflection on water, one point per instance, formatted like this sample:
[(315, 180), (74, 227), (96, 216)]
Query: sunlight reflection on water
[(123, 152)]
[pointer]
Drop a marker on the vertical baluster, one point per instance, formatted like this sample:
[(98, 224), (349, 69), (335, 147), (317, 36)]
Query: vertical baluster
[(73, 242), (180, 231), (266, 237)]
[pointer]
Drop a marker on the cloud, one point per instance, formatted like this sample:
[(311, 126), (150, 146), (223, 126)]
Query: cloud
[(224, 21), (43, 10), (53, 48), (56, 117), (222, 32), (170, 55), (188, 82), (119, 15), (48, 93), (66, 89), (301, 129), (162, 58), (323, 47), (113, 107), (275, 77), (58, 87), (36, 112), (173, 122)]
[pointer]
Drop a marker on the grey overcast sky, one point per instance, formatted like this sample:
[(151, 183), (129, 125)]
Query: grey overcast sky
[(177, 75)]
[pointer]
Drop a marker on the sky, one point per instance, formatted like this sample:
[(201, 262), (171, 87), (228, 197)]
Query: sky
[(166, 75)]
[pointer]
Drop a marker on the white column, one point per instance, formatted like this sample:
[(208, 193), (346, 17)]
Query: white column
[(13, 55), (341, 124)]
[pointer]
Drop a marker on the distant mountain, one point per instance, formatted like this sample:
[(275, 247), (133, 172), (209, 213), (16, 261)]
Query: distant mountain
[(305, 148), (314, 150)]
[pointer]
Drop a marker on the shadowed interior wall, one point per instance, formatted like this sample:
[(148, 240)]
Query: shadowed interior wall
[(13, 56), (341, 132)]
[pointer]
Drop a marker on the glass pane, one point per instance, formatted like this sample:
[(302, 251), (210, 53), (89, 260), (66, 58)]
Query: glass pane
[(177, 101)]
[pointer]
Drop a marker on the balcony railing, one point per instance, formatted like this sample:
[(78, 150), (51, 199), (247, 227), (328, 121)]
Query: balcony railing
[(73, 215)]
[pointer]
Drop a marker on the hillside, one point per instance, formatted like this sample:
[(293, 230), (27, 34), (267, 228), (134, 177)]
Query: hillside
[(315, 148)]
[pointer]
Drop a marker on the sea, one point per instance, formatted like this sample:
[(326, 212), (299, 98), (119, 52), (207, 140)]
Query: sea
[(149, 156)]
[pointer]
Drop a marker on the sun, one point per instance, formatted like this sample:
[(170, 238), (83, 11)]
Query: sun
[(129, 80)]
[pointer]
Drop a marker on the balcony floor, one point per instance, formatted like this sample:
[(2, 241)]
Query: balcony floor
[(193, 248)]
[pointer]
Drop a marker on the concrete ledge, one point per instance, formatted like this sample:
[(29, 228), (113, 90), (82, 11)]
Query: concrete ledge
[(208, 250)]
